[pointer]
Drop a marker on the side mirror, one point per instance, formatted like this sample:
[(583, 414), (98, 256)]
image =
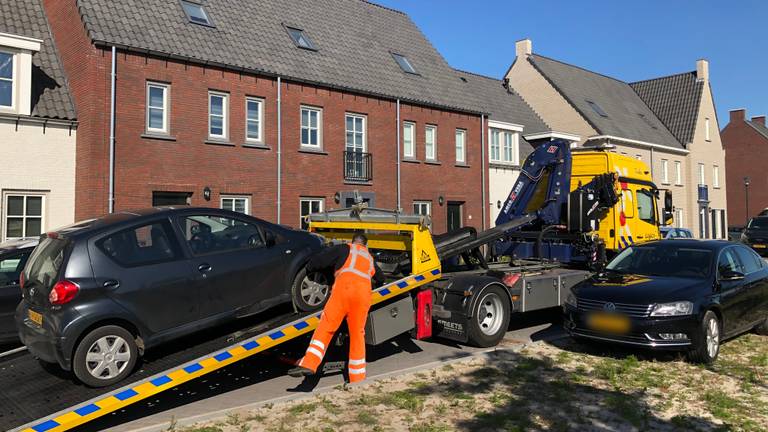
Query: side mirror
[(668, 213), (270, 238), (731, 275)]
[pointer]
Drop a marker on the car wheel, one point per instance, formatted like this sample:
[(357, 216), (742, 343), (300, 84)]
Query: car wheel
[(706, 344), (310, 292), (762, 328), (105, 356), (490, 317)]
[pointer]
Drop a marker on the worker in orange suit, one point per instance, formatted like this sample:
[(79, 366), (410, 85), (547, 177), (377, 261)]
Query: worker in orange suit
[(350, 298)]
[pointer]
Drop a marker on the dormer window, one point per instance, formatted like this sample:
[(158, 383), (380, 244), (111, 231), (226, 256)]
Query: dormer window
[(6, 80), (196, 13), (404, 63), (300, 38), (16, 73)]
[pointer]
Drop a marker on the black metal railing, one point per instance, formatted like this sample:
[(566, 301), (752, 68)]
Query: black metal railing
[(358, 166), (703, 193)]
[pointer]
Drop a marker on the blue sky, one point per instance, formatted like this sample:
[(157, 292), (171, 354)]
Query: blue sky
[(631, 41)]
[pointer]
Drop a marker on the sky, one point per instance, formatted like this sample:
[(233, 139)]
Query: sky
[(628, 40)]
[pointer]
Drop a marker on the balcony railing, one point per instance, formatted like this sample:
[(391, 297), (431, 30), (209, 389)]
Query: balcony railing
[(703, 193), (358, 166)]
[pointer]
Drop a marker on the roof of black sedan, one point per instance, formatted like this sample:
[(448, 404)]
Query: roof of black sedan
[(692, 243)]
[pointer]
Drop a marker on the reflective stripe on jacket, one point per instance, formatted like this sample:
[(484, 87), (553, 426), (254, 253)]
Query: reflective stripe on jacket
[(359, 262)]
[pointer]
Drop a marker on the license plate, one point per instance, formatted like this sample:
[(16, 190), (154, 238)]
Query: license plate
[(35, 317), (758, 246), (609, 323)]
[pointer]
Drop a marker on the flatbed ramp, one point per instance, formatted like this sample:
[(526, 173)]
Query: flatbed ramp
[(33, 399)]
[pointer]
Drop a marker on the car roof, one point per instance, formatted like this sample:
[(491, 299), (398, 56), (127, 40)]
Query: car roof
[(714, 245), (16, 244)]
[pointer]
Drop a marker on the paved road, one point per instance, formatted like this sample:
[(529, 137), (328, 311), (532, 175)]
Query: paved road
[(262, 378)]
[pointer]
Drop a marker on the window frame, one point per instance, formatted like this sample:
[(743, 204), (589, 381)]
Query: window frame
[(166, 129), (702, 176), (404, 63), (208, 20), (463, 153), (424, 203), (260, 119), (495, 132), (364, 132), (234, 198), (678, 173), (716, 176), (6, 195), (319, 128), (310, 44), (707, 130), (180, 223), (596, 108), (427, 157), (651, 199), (665, 171), (412, 126), (309, 201), (169, 232), (13, 80), (679, 215), (224, 115)]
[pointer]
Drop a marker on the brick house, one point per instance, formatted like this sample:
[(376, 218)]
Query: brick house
[(745, 142), (37, 124), (275, 110), (668, 122)]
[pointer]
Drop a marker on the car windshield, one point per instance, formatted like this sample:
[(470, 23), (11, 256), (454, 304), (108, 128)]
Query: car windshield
[(758, 223), (43, 266), (667, 260)]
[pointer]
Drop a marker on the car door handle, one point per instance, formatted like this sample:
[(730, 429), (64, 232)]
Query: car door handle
[(204, 268), (111, 284)]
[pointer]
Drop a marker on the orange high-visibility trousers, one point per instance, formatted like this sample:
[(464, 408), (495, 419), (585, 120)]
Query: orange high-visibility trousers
[(350, 299)]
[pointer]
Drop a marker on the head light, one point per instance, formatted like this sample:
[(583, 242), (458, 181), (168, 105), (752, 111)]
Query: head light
[(672, 309), (570, 300)]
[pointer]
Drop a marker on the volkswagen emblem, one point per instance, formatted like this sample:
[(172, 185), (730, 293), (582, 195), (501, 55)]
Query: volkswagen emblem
[(609, 307)]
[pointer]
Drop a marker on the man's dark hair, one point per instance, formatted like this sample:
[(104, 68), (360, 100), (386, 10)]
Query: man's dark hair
[(360, 238)]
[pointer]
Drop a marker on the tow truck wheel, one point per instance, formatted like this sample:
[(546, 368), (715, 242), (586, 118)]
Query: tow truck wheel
[(490, 317), (310, 292), (105, 356)]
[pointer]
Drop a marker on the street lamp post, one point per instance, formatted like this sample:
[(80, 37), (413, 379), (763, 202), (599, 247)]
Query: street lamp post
[(746, 200)]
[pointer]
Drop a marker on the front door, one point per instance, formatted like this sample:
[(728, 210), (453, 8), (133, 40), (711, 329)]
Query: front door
[(734, 296), (355, 147), (454, 215)]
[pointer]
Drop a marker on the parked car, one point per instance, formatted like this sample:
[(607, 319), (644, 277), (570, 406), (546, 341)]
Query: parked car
[(670, 232), (734, 233), (13, 257), (755, 234), (96, 291), (685, 295)]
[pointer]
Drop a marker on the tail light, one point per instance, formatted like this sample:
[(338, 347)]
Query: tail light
[(21, 280), (63, 292)]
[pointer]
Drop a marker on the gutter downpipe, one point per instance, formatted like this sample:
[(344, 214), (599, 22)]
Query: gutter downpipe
[(113, 78), (279, 147), (483, 168), (399, 208)]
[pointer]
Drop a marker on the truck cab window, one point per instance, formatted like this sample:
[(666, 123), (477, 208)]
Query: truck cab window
[(645, 208)]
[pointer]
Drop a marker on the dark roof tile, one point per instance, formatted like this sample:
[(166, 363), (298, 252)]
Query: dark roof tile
[(675, 100)]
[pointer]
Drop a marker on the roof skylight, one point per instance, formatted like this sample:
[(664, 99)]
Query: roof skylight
[(300, 38), (596, 108), (196, 13), (405, 65)]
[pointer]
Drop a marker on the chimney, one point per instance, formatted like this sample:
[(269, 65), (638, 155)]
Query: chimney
[(702, 70), (523, 47), (738, 115), (759, 119)]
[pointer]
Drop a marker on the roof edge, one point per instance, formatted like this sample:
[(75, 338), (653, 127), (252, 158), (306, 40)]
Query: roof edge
[(639, 143)]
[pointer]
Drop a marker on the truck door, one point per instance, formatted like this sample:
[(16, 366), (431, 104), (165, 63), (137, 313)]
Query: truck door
[(646, 224)]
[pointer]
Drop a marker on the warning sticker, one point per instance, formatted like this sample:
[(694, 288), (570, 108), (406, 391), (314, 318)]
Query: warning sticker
[(425, 257)]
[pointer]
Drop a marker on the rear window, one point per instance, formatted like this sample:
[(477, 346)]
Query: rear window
[(147, 244), (45, 262)]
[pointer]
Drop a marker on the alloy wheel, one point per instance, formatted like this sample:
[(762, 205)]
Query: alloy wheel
[(713, 337), (107, 357), (314, 289)]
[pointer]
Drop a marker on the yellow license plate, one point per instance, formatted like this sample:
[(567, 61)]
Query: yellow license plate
[(35, 317), (609, 323), (758, 246)]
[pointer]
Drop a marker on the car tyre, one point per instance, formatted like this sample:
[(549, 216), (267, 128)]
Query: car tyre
[(490, 316), (311, 291), (762, 328), (706, 343), (105, 356)]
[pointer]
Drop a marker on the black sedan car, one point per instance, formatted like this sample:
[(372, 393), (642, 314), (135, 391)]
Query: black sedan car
[(755, 234), (13, 257), (98, 292), (685, 295)]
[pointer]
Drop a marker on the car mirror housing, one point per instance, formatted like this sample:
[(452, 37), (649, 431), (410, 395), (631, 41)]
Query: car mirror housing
[(731, 276), (270, 238)]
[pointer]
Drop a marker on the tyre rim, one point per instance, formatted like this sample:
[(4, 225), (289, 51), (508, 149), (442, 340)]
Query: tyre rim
[(713, 338), (314, 292), (107, 357), (490, 315)]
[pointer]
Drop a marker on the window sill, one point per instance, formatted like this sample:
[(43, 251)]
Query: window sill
[(219, 142), (666, 184), (257, 146), (461, 165), (431, 162), (158, 137), (312, 151), (409, 160), (503, 165), (359, 182), (679, 184)]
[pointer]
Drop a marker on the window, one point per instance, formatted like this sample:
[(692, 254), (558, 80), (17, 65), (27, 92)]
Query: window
[(11, 267), (461, 150), (665, 171), (300, 38), (23, 215), (639, 157), (404, 64), (254, 120), (196, 13), (162, 198), (728, 263), (645, 210), (495, 146), (707, 135), (430, 138), (311, 129), (678, 173), (510, 153), (355, 128), (716, 176), (157, 108), (309, 206), (240, 204), (208, 234), (218, 113), (701, 174), (423, 208), (409, 150), (147, 244), (679, 218), (6, 80), (504, 146), (597, 108), (750, 261)]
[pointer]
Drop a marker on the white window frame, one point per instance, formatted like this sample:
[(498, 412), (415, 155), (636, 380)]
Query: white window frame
[(461, 146), (678, 173), (495, 145), (702, 177), (511, 141), (409, 153), (430, 145), (707, 132), (166, 88), (224, 115), (715, 176), (364, 132), (234, 198), (13, 80), (24, 215), (319, 128), (260, 102), (679, 214), (420, 205), (665, 171), (310, 200)]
